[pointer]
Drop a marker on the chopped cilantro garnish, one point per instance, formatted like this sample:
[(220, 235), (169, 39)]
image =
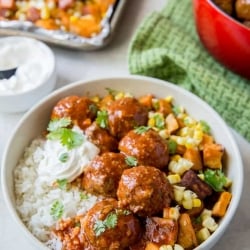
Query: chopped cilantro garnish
[(109, 222), (102, 118), (141, 129), (83, 196), (176, 110), (67, 137), (93, 108), (62, 184), (159, 120), (111, 91), (64, 157), (205, 127), (172, 146), (131, 161), (215, 178), (55, 124), (56, 210)]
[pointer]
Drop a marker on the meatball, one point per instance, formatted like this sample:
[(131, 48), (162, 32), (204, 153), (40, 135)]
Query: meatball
[(102, 175), (225, 5), (81, 110), (144, 190), (124, 114), (105, 226), (101, 138), (149, 148), (242, 8)]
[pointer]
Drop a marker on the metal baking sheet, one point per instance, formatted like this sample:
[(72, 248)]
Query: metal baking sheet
[(66, 39)]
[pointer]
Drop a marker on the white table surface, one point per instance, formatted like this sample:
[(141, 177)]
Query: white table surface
[(112, 61)]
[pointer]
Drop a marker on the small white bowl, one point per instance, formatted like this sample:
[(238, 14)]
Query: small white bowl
[(35, 121), (34, 78)]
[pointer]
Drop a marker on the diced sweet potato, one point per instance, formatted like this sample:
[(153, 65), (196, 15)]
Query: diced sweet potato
[(171, 123), (193, 155), (212, 155), (146, 100), (220, 207), (151, 246), (186, 236), (165, 107)]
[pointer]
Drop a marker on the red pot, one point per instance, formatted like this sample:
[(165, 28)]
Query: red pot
[(225, 38)]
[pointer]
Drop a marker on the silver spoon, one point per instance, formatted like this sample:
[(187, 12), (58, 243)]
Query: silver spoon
[(8, 73)]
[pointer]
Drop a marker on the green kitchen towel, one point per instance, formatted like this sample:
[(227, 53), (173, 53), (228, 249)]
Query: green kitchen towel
[(166, 46)]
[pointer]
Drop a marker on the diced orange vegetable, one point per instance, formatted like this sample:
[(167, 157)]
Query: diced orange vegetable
[(171, 123), (220, 207), (151, 246), (164, 107), (193, 155), (47, 24), (186, 236), (212, 155), (206, 139), (146, 100), (180, 149)]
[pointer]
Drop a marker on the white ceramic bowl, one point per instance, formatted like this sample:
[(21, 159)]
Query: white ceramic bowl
[(35, 122), (23, 50)]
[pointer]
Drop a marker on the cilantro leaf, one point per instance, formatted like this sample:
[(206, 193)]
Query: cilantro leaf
[(109, 222), (205, 127), (62, 183), (55, 124), (141, 129), (112, 91), (83, 196), (159, 121), (56, 210), (215, 178), (131, 161), (102, 118), (176, 110), (67, 137), (64, 157), (172, 146)]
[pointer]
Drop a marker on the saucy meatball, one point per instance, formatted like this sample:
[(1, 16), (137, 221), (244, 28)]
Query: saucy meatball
[(81, 110), (144, 190), (101, 138), (225, 5), (124, 114), (102, 175), (105, 226), (149, 148)]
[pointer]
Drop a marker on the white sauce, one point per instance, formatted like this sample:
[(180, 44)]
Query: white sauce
[(52, 168), (30, 58)]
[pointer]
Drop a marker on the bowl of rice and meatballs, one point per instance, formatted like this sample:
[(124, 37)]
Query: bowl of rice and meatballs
[(104, 168)]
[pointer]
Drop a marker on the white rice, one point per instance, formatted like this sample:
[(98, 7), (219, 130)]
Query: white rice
[(34, 197)]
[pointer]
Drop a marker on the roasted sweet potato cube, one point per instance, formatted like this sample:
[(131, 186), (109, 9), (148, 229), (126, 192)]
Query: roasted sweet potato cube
[(220, 207), (212, 155), (206, 139), (165, 107), (186, 236), (193, 155), (151, 246), (171, 123)]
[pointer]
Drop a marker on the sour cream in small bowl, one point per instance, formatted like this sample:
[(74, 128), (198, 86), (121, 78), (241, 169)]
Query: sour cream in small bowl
[(34, 77)]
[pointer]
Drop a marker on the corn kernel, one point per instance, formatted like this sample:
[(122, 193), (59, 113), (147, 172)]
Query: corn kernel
[(228, 183), (210, 224), (196, 202), (174, 213), (187, 195), (203, 234), (151, 122), (187, 204), (164, 133), (169, 98), (166, 247), (201, 176), (178, 193), (178, 247), (73, 18), (174, 178), (45, 13), (119, 95), (95, 99), (206, 213)]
